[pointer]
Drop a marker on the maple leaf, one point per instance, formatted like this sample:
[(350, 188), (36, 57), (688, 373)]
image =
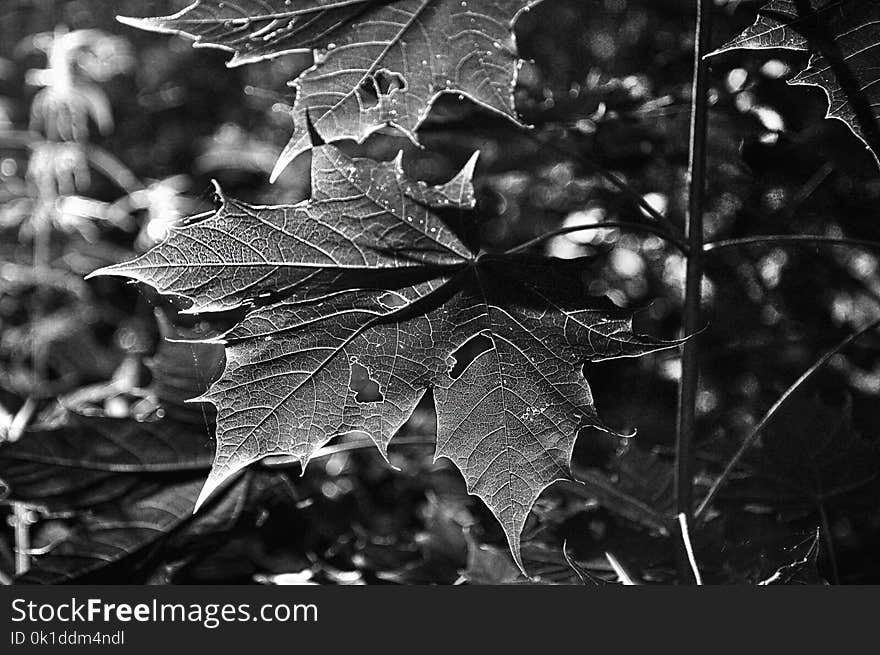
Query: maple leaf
[(371, 296), (844, 39), (376, 64)]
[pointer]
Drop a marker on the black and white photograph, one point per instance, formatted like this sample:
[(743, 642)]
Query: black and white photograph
[(436, 293)]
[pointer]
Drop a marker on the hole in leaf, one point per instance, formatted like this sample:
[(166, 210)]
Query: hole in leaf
[(468, 352), (381, 83), (367, 389), (392, 300), (386, 81)]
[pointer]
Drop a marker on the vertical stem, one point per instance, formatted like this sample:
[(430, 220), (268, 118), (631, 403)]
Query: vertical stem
[(21, 520), (690, 370), (829, 542), (42, 222), (689, 548)]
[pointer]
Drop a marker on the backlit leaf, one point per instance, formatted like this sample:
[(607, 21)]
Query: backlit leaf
[(376, 63), (843, 37), (372, 295)]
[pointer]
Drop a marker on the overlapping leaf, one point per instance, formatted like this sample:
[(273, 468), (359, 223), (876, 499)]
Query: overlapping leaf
[(157, 517), (377, 63), (374, 295), (110, 489), (73, 458), (89, 460), (844, 39)]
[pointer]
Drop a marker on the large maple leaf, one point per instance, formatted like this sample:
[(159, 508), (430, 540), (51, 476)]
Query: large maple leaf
[(359, 300), (843, 37), (375, 63)]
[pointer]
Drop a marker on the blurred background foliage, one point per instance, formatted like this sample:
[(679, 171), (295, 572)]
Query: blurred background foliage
[(109, 136)]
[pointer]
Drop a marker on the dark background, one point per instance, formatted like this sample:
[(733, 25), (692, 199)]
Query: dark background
[(606, 84)]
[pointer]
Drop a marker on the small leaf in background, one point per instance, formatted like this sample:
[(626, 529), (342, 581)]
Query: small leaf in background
[(843, 37), (634, 484), (490, 565), (811, 454), (150, 522)]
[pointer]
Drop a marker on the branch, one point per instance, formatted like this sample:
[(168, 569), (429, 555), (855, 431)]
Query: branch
[(615, 181), (686, 419), (590, 486), (807, 239), (688, 547), (687, 403), (623, 225), (108, 164)]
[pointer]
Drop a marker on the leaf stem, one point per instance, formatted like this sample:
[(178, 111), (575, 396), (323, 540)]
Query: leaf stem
[(688, 547), (632, 194), (22, 519), (829, 542), (589, 485), (624, 577), (756, 431), (697, 156), (623, 225)]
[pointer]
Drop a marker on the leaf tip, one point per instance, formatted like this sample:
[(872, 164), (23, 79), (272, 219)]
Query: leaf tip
[(398, 162), (131, 21), (294, 148), (114, 270), (157, 24), (284, 160), (471, 164), (218, 192), (211, 485)]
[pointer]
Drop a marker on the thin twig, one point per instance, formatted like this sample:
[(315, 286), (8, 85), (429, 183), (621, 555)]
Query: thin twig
[(808, 189), (5, 423), (108, 164), (688, 547), (615, 181), (756, 431), (21, 520), (21, 420), (589, 486), (622, 574), (622, 225), (807, 239), (622, 186), (829, 542), (697, 160)]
